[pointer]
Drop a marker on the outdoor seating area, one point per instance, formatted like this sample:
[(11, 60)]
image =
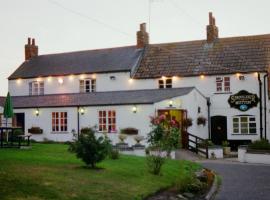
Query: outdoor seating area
[(13, 137)]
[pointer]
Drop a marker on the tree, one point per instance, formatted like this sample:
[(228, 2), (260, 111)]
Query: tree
[(89, 148)]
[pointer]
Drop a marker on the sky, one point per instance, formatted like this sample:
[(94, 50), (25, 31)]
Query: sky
[(72, 25)]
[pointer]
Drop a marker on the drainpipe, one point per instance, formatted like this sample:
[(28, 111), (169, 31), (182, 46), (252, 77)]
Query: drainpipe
[(260, 93), (78, 121), (209, 119), (265, 110)]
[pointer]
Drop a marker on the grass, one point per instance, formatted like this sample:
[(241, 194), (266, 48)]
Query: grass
[(49, 171)]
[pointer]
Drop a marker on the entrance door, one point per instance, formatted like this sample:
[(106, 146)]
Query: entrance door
[(178, 116), (218, 129), (19, 120)]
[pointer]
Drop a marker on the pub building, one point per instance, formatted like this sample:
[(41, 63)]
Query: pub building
[(222, 82)]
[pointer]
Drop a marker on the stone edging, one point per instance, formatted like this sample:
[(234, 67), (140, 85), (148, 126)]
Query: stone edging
[(213, 190)]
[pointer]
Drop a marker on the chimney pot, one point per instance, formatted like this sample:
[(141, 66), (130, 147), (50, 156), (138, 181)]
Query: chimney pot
[(29, 41), (33, 42), (30, 49), (212, 29)]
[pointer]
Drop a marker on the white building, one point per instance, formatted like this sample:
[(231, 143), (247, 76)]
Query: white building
[(224, 80)]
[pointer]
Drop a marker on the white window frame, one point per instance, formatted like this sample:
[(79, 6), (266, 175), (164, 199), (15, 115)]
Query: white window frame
[(36, 88), (165, 83), (223, 84), (87, 85), (239, 124), (107, 121), (57, 125)]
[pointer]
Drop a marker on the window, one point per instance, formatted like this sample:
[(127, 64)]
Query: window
[(244, 125), (59, 121), (36, 88), (165, 83), (107, 121), (88, 85), (223, 84)]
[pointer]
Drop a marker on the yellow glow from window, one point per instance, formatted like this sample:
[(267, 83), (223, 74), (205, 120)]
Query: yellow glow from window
[(60, 80)]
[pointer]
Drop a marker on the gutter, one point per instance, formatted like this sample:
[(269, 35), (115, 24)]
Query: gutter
[(209, 119)]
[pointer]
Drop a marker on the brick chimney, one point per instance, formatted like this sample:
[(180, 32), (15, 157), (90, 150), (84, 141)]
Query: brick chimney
[(142, 36), (212, 29), (31, 50)]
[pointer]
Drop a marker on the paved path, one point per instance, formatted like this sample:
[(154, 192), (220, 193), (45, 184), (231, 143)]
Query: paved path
[(241, 181)]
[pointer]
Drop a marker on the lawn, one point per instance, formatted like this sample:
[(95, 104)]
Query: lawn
[(49, 171)]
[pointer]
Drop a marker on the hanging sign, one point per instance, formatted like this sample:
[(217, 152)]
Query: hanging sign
[(243, 100)]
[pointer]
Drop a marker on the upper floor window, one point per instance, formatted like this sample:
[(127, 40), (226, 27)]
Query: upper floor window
[(88, 85), (165, 83), (59, 121), (107, 121), (223, 84), (36, 88), (244, 125)]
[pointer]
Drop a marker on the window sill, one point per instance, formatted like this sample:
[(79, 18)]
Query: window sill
[(59, 132), (223, 93), (244, 134)]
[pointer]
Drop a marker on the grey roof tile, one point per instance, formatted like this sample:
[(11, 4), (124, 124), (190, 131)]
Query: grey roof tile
[(99, 98)]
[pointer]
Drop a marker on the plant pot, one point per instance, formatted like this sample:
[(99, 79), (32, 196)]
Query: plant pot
[(226, 150)]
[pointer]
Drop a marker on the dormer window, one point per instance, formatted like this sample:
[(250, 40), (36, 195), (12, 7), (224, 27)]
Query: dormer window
[(165, 83), (223, 84), (36, 88), (87, 85)]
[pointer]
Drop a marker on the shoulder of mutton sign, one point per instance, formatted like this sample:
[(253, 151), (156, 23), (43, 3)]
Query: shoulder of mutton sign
[(243, 100)]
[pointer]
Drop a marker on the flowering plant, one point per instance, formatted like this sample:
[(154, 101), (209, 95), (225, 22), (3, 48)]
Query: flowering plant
[(165, 134)]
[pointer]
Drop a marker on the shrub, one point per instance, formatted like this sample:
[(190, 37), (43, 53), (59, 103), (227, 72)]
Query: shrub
[(225, 144), (89, 148), (154, 163), (260, 145), (17, 132), (129, 131), (114, 154), (205, 143)]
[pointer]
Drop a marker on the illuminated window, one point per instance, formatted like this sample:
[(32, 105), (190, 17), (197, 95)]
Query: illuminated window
[(59, 121), (165, 83), (87, 85), (244, 125), (223, 84), (36, 88), (107, 121)]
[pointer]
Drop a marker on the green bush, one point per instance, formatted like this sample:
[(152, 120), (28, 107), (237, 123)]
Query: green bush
[(154, 164), (260, 145), (114, 154), (89, 148), (205, 143)]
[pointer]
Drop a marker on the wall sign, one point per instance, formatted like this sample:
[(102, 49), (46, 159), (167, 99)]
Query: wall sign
[(243, 100)]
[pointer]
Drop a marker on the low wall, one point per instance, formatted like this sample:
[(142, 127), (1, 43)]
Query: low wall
[(252, 157)]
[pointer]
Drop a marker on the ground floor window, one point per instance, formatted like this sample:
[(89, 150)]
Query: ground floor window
[(59, 121), (244, 125), (107, 121)]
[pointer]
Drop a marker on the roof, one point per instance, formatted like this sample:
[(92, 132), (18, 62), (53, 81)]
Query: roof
[(2, 101), (91, 61), (99, 98), (224, 56)]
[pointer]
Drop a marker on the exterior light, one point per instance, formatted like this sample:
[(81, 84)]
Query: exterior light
[(174, 78), (49, 79), (256, 74), (37, 112), (39, 79), (82, 76), (163, 77), (60, 81), (238, 74), (130, 80), (81, 110), (202, 76), (170, 103), (71, 77), (94, 76), (134, 109), (19, 81)]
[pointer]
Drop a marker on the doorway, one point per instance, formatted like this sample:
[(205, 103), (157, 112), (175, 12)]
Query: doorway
[(178, 116), (218, 129), (19, 120)]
